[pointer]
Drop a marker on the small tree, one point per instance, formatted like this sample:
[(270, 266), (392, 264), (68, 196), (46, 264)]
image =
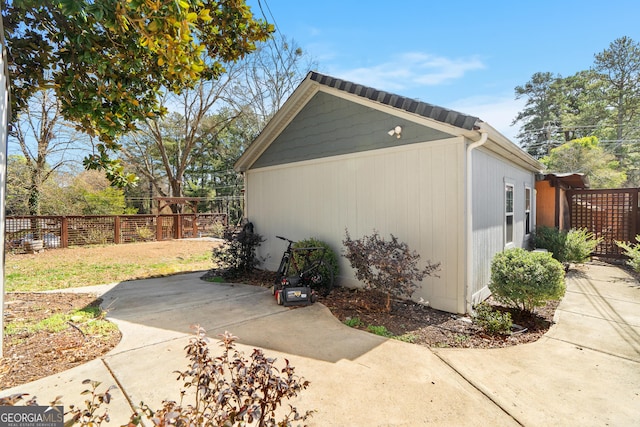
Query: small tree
[(386, 265), (526, 280), (238, 253)]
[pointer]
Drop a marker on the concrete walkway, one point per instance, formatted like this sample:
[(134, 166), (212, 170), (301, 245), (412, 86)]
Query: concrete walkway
[(585, 371)]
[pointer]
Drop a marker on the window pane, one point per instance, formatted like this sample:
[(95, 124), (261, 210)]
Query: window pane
[(527, 199), (509, 199), (509, 231)]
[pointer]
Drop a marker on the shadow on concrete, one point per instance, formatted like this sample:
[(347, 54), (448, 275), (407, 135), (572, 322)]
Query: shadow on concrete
[(146, 308), (612, 297)]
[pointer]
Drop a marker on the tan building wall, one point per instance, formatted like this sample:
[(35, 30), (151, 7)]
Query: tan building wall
[(414, 192)]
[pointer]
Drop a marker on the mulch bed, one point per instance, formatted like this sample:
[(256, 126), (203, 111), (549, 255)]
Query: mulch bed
[(30, 356)]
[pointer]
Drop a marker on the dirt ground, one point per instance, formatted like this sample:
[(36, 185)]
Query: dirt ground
[(30, 357), (425, 325)]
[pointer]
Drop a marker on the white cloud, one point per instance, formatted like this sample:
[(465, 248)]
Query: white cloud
[(412, 69), (498, 111)]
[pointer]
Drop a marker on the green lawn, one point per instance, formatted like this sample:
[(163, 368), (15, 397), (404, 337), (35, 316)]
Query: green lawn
[(87, 266)]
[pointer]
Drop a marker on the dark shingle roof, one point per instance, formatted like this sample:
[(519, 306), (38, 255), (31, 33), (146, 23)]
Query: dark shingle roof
[(407, 104)]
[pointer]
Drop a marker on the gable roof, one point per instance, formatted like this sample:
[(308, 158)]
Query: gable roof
[(441, 118), (407, 104)]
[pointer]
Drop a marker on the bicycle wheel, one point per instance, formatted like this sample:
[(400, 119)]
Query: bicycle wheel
[(326, 285)]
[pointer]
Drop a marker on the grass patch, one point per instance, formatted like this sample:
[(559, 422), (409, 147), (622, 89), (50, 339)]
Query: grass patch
[(97, 265), (355, 322), (90, 320), (379, 330), (410, 338)]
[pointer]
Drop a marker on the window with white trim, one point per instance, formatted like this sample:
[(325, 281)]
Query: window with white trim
[(527, 211), (508, 214)]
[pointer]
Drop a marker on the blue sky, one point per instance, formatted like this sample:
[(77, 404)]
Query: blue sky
[(468, 56)]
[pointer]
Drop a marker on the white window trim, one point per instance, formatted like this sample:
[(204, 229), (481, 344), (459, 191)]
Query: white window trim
[(527, 219), (507, 244)]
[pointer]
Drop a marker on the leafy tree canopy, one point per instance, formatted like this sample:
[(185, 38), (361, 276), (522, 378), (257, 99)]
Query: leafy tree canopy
[(585, 155), (603, 101), (109, 60)]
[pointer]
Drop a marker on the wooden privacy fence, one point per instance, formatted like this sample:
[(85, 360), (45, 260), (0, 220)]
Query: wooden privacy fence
[(65, 231), (609, 214)]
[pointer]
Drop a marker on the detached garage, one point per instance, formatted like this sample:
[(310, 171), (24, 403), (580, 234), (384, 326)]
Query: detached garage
[(339, 156)]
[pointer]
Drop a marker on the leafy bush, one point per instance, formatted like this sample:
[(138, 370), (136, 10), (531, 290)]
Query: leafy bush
[(145, 233), (330, 258), (230, 390), (580, 245), (526, 280), (217, 229), (492, 321), (387, 266), (551, 239), (573, 246), (632, 250), (97, 236), (237, 254)]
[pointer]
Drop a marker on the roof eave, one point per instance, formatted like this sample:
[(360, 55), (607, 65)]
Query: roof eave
[(501, 141), (278, 122)]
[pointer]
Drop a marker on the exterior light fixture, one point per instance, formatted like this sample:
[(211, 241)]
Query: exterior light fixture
[(397, 131)]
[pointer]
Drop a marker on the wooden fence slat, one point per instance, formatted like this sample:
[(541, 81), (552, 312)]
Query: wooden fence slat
[(65, 231), (610, 214)]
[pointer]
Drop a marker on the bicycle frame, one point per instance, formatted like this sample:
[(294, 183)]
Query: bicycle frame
[(302, 269), (300, 275)]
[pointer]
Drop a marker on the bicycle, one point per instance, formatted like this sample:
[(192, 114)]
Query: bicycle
[(304, 269)]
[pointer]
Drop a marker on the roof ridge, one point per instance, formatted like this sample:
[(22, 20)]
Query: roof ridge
[(410, 105)]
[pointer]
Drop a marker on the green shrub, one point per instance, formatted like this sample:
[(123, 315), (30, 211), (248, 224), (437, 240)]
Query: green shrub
[(632, 250), (218, 229), (386, 265), (526, 280), (551, 239), (580, 245), (145, 233), (492, 321), (576, 245), (330, 259)]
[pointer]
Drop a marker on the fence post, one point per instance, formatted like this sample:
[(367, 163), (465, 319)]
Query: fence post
[(158, 228), (64, 232), (177, 231), (116, 229), (194, 225), (633, 223)]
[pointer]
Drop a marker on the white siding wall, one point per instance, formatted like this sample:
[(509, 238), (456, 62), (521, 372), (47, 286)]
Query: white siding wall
[(490, 175), (414, 192)]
